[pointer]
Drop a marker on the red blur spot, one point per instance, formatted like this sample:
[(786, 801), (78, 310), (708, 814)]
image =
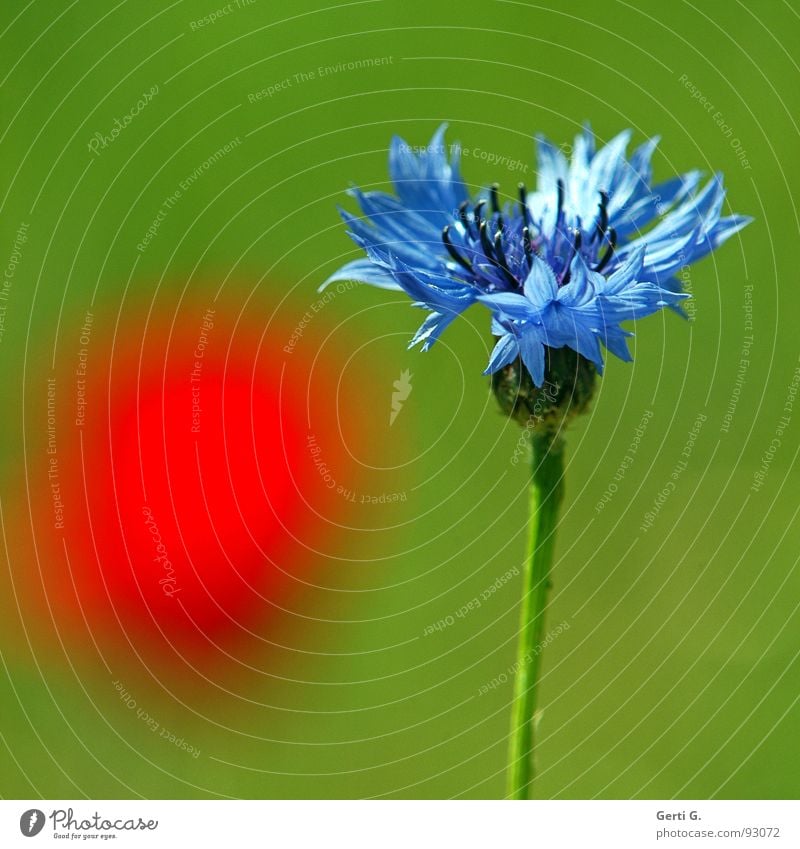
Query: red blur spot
[(194, 510)]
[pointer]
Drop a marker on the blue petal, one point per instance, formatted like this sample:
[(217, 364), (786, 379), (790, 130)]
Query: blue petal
[(659, 200), (551, 165), (721, 232), (512, 305), (430, 329), (364, 271), (582, 153), (426, 181), (605, 174), (627, 274), (448, 291), (387, 212), (541, 286), (531, 350), (379, 243), (579, 290), (615, 340), (641, 158), (571, 328), (503, 353)]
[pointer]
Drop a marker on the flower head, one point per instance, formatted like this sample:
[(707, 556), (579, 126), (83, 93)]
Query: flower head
[(559, 267)]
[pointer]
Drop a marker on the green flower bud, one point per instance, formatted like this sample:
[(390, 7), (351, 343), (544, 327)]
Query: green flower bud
[(567, 390)]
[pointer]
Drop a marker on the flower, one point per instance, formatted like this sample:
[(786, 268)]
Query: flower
[(560, 267)]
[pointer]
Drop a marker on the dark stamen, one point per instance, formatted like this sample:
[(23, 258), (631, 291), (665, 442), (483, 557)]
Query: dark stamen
[(486, 243), (464, 263), (478, 212), (602, 222), (463, 217), (576, 246), (612, 244), (493, 194), (560, 185), (523, 206), (526, 244), (501, 258)]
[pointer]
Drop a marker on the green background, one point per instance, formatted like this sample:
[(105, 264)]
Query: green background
[(678, 673)]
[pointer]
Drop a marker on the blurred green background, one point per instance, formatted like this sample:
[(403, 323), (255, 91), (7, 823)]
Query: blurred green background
[(678, 674)]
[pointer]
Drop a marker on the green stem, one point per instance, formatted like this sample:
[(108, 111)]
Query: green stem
[(546, 493)]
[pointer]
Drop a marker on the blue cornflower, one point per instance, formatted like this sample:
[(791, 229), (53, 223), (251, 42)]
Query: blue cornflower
[(559, 267)]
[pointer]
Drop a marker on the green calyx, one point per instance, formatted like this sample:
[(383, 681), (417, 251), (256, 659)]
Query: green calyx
[(569, 383)]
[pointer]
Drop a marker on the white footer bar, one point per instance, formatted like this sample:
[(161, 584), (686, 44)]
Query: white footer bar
[(401, 824)]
